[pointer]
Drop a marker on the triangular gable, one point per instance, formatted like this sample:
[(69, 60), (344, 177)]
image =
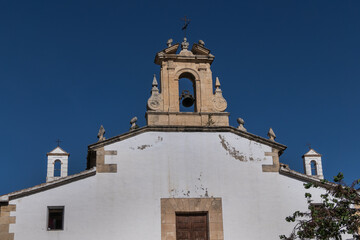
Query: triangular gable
[(58, 151), (219, 129), (198, 49), (312, 152)]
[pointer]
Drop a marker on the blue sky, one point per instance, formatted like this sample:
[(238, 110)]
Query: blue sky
[(66, 67)]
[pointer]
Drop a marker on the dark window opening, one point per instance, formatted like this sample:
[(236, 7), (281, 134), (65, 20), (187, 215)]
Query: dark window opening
[(192, 226), (57, 168), (313, 168), (55, 218), (186, 87)]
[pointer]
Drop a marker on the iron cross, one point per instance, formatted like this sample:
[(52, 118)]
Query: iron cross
[(186, 23), (58, 142), (309, 145)]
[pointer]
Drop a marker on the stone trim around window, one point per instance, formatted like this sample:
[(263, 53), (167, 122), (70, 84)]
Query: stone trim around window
[(170, 206)]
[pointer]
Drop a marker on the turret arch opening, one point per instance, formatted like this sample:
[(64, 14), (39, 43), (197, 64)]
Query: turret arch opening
[(313, 166), (57, 168)]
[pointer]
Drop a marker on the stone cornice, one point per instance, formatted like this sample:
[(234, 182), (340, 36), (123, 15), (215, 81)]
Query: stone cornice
[(189, 113), (160, 57), (311, 155), (57, 154), (145, 129)]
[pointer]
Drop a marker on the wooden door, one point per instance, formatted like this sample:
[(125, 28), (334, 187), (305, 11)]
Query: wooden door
[(191, 226)]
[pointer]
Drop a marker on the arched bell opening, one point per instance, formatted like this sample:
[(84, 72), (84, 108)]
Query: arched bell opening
[(313, 166), (187, 93), (57, 168)]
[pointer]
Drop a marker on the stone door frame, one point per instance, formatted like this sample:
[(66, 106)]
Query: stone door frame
[(170, 206)]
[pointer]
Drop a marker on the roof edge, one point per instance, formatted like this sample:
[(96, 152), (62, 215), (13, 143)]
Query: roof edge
[(231, 129), (47, 185), (286, 171)]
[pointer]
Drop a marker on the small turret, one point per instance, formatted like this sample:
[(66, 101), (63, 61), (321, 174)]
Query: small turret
[(313, 164), (57, 164)]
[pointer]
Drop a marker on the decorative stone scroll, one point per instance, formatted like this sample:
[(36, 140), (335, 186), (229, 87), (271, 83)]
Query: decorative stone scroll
[(218, 100), (155, 101)]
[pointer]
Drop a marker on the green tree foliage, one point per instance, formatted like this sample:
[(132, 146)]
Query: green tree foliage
[(336, 215)]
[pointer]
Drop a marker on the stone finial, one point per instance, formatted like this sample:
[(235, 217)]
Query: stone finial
[(217, 86), (201, 43), (169, 42), (155, 100), (219, 101), (185, 44), (241, 124), (133, 123), (101, 134), (271, 135), (217, 83), (155, 83)]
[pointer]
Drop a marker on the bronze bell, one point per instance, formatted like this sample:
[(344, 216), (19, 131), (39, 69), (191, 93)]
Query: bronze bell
[(187, 99)]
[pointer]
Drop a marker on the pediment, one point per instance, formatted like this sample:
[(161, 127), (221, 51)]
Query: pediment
[(312, 152), (219, 129), (198, 49), (58, 151), (170, 50)]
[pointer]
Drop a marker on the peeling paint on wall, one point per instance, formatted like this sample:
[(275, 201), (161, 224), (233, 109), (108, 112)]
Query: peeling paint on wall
[(199, 190), (230, 150), (144, 146)]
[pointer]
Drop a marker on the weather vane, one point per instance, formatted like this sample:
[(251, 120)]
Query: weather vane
[(58, 142), (186, 24)]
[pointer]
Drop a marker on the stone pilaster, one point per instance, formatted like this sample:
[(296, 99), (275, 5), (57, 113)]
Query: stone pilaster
[(101, 167), (275, 167), (6, 220)]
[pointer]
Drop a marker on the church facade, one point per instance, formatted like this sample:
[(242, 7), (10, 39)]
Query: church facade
[(184, 176)]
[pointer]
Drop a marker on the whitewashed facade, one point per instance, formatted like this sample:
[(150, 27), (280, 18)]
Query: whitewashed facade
[(136, 183)]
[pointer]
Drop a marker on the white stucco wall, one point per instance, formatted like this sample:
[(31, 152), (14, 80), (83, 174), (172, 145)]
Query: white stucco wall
[(126, 204)]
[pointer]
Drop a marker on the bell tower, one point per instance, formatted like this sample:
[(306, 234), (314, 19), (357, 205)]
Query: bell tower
[(209, 104), (313, 164), (57, 164)]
